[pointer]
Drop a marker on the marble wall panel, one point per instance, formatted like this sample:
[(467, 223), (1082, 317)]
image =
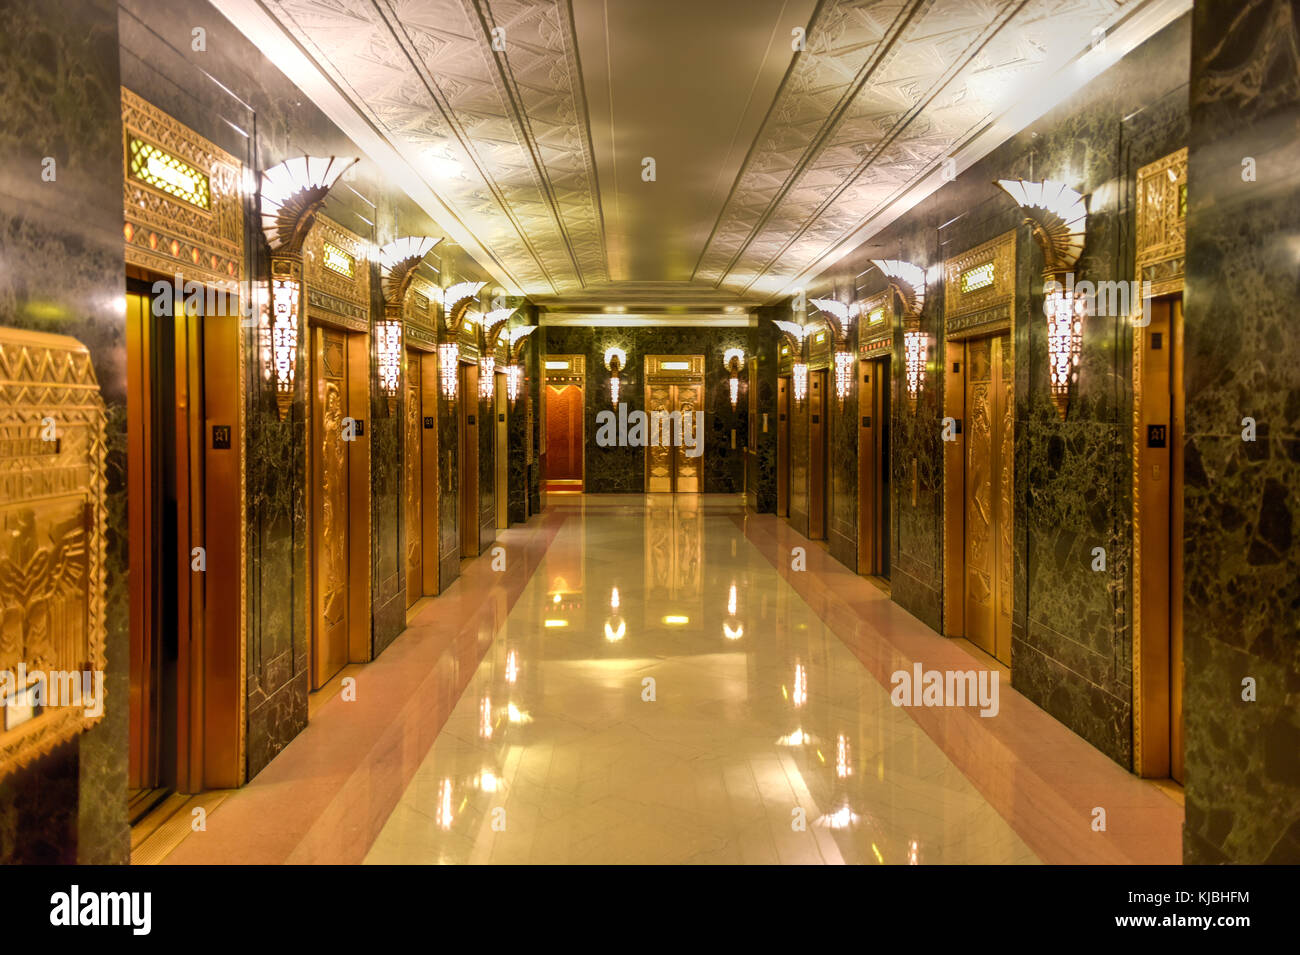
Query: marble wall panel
[(1241, 557)]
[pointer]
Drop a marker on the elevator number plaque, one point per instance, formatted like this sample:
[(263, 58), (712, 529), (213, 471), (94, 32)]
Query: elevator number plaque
[(1156, 435)]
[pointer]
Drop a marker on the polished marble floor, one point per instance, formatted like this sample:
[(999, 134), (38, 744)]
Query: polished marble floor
[(651, 682)]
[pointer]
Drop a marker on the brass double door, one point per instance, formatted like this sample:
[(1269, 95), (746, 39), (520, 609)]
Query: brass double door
[(669, 469), (873, 467), (420, 447), (989, 501)]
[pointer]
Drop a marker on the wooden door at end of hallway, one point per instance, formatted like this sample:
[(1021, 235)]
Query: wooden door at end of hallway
[(988, 508), (564, 436), (783, 446), (873, 467), (818, 428)]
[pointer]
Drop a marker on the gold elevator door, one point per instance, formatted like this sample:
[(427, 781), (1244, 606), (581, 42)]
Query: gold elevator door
[(668, 468), (414, 455), (329, 408), (989, 413)]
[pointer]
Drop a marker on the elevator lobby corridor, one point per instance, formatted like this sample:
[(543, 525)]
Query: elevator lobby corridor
[(769, 698)]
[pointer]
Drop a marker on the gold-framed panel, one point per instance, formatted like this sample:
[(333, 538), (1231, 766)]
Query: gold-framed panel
[(876, 337), (664, 368), (977, 308), (334, 298), (53, 517), (574, 372), (162, 231), (420, 316), (1160, 257)]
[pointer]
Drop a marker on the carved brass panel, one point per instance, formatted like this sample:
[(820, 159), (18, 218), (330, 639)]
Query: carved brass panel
[(987, 526), (52, 518), (980, 308), (330, 402), (659, 459), (1162, 223), (163, 232), (334, 298), (876, 325), (674, 391)]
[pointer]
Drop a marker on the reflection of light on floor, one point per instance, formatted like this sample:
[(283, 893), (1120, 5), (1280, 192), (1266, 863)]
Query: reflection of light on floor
[(615, 634), (516, 715), (443, 814), (842, 768), (842, 818), (800, 685), (912, 852), (485, 718), (731, 634), (676, 619), (613, 598), (554, 622), (797, 738), (879, 857), (731, 601), (512, 667), (487, 781)]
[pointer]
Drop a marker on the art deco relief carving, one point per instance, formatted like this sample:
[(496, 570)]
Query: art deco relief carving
[(979, 288), (1162, 222), (182, 203), (876, 324), (337, 276), (52, 521)]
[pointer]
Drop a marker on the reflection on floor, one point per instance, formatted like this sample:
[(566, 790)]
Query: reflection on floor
[(657, 685)]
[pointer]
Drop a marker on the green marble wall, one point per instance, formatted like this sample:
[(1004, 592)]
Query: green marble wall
[(1241, 558)]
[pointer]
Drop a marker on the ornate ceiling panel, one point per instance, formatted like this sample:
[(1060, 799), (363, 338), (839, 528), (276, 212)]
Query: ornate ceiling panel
[(885, 91)]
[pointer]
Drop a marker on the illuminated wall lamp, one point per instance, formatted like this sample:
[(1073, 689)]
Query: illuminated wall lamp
[(291, 194), (487, 377), (908, 281), (448, 361), (1058, 219), (398, 261), (799, 380), (515, 371), (615, 359), (843, 374), (733, 359)]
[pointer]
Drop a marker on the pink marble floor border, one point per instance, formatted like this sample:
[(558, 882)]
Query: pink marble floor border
[(325, 798), (1041, 777)]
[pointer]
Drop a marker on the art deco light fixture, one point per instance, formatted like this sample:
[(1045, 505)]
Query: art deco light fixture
[(615, 359), (799, 380), (1058, 218), (398, 261), (733, 359), (908, 282), (487, 377), (448, 361), (515, 371), (796, 334), (840, 318), (292, 193)]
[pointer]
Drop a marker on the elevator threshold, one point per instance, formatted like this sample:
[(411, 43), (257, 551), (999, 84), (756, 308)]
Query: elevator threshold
[(164, 828)]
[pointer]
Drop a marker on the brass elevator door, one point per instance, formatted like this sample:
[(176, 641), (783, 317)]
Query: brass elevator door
[(1160, 510), (873, 467), (329, 408), (469, 503), (818, 428), (414, 454), (502, 452), (668, 467), (989, 411), (783, 447)]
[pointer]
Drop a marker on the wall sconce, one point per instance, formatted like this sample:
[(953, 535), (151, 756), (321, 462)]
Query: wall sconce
[(292, 193), (799, 381), (487, 377), (843, 374), (398, 261), (733, 359), (515, 371), (448, 360), (840, 318), (1058, 219), (456, 302), (908, 281), (615, 359)]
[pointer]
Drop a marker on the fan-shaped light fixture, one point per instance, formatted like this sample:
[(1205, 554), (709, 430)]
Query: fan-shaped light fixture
[(615, 360), (908, 280), (1058, 219), (448, 361), (398, 261), (515, 371), (292, 193)]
